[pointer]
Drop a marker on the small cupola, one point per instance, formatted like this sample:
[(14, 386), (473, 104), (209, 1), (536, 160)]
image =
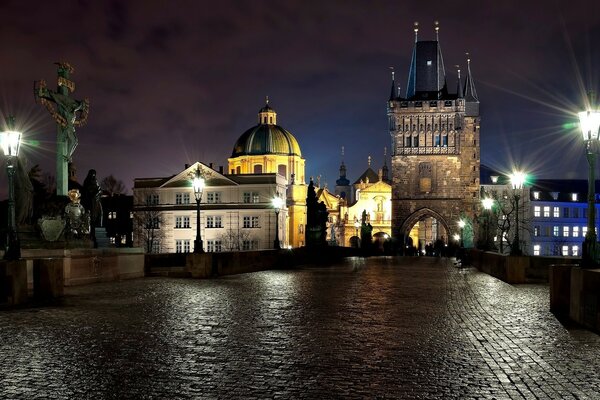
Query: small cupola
[(266, 115)]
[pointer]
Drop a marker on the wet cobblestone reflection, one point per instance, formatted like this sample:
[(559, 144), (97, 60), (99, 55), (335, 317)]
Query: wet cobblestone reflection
[(380, 328)]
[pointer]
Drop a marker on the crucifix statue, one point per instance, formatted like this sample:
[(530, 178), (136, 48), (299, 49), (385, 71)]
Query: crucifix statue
[(68, 114)]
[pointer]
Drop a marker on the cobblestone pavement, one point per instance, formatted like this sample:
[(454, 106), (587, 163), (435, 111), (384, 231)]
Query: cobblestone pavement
[(380, 328)]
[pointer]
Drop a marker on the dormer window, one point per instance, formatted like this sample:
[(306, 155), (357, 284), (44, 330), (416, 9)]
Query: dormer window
[(574, 196), (554, 195), (536, 195)]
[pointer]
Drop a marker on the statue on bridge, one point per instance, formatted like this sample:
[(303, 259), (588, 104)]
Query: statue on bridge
[(68, 114)]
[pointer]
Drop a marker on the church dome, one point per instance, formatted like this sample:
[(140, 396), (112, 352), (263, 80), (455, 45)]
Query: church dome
[(266, 138)]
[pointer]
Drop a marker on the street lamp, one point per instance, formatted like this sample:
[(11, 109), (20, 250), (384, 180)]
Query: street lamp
[(10, 140), (277, 203), (356, 226), (487, 203), (198, 185), (517, 178), (590, 128)]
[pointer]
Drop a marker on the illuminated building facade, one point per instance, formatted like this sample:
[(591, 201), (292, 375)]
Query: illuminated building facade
[(435, 149)]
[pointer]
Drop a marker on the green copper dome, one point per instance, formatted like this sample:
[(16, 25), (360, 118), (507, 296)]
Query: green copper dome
[(266, 139)]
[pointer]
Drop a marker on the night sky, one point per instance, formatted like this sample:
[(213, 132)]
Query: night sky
[(175, 82)]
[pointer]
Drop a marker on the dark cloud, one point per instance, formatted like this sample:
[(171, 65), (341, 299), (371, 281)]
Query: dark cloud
[(173, 82)]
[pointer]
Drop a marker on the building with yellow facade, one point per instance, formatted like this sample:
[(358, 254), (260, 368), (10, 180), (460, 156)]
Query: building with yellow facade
[(268, 148)]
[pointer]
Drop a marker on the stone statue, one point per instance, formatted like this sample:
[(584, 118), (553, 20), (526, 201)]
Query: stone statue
[(91, 198), (23, 195), (69, 113), (78, 220)]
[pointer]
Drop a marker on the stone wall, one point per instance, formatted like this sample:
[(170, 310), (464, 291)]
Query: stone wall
[(517, 269)]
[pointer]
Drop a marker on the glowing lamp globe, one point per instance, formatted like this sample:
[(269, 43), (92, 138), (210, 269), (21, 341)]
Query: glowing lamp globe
[(277, 203), (487, 203), (517, 179), (10, 141), (589, 121)]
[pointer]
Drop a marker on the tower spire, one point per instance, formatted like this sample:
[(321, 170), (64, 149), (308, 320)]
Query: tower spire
[(393, 84), (470, 92), (459, 89), (416, 29)]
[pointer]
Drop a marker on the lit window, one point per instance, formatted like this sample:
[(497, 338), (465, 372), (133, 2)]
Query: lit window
[(536, 249), (250, 222), (556, 212), (574, 196), (251, 197), (429, 63), (536, 231), (536, 195), (555, 231), (112, 215), (565, 231), (575, 251), (546, 211), (565, 250), (111, 240), (575, 231), (536, 211), (584, 231), (214, 222)]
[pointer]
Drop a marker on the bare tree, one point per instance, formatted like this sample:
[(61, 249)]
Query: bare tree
[(232, 239), (148, 222), (503, 221), (113, 186), (147, 229)]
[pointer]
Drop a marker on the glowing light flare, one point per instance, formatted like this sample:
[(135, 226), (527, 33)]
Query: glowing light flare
[(487, 203), (10, 141), (461, 224), (517, 179), (589, 121), (456, 237), (277, 203)]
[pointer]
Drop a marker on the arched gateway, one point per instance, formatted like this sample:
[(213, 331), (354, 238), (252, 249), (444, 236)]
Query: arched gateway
[(435, 150)]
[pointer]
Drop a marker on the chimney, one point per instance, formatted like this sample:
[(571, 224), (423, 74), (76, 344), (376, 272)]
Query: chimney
[(220, 169), (210, 165), (187, 166)]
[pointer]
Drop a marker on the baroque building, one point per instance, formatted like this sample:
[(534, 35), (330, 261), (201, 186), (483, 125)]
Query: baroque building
[(435, 149), (267, 148)]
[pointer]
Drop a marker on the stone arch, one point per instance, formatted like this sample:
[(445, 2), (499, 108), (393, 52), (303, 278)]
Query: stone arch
[(420, 214)]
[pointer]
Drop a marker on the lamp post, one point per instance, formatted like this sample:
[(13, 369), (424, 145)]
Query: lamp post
[(10, 139), (198, 185), (277, 203), (590, 128), (517, 178), (356, 226), (487, 203)]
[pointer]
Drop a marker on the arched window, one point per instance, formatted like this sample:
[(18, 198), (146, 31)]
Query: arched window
[(238, 170), (282, 170), (437, 140), (257, 168)]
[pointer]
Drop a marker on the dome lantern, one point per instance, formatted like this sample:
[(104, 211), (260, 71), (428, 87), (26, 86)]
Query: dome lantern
[(266, 115)]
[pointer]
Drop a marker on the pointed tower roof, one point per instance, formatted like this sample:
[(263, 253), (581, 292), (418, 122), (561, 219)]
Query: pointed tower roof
[(392, 92), (470, 92), (427, 76), (471, 99), (343, 181), (459, 89)]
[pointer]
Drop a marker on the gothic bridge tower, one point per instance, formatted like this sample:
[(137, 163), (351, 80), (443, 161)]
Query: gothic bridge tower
[(435, 149)]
